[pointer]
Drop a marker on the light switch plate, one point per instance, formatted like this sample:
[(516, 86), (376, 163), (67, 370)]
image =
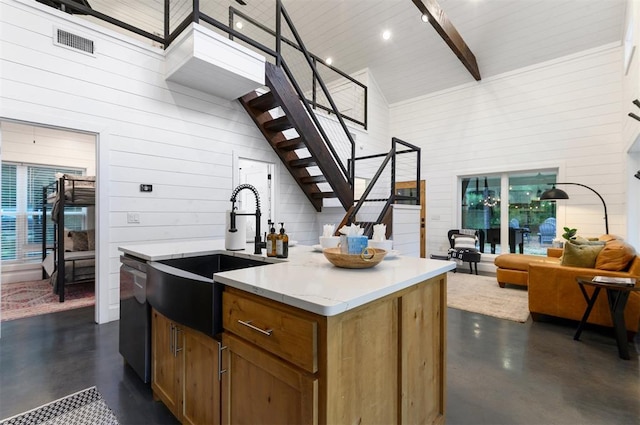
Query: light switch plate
[(133, 217)]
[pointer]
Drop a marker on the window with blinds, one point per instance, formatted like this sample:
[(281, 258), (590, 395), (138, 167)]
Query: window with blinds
[(22, 197)]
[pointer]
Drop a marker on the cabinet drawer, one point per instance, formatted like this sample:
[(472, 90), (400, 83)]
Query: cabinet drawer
[(277, 330)]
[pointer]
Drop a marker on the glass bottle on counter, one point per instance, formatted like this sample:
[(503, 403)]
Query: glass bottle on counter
[(282, 243), (271, 240)]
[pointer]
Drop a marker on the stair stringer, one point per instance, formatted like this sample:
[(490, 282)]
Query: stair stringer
[(287, 99)]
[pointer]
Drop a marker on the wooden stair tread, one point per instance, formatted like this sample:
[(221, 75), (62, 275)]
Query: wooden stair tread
[(278, 124), (291, 144), (323, 195), (264, 102), (313, 179), (303, 162)]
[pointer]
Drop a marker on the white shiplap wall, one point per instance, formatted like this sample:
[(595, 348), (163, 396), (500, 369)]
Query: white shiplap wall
[(377, 138), (45, 146), (563, 114), (148, 131), (631, 127)]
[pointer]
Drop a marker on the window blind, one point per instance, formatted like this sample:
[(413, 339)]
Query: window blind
[(22, 197), (8, 211)]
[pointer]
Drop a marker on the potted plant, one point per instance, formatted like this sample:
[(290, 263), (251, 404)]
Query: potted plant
[(569, 233)]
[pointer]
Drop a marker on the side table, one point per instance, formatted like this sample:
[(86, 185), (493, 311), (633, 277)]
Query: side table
[(617, 296)]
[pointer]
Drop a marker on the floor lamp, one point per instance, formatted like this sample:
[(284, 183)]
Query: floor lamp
[(553, 194)]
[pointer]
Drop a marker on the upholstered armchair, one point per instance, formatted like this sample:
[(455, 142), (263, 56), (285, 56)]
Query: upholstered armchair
[(466, 246)]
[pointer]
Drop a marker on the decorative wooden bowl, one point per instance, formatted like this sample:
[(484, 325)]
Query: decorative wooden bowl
[(369, 258)]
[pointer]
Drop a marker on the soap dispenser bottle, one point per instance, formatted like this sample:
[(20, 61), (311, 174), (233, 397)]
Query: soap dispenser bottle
[(282, 243), (271, 240)]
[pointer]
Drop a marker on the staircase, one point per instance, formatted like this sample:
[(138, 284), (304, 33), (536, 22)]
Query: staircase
[(306, 145), (279, 112), (281, 98)]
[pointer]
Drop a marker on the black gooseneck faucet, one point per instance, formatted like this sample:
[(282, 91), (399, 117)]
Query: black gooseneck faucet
[(259, 245)]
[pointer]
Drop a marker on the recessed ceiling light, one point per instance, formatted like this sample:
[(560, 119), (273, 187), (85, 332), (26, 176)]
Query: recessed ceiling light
[(386, 35), (328, 61), (239, 25), (424, 17)]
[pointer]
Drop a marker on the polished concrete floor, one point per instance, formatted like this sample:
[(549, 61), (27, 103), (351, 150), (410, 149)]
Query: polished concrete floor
[(498, 372)]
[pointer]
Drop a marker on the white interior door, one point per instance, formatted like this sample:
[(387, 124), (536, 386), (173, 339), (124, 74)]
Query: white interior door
[(261, 175)]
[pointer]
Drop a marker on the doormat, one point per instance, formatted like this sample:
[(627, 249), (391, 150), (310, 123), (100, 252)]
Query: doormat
[(84, 407), (26, 299)]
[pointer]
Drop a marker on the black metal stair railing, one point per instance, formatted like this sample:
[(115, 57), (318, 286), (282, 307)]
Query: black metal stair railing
[(376, 200), (360, 117)]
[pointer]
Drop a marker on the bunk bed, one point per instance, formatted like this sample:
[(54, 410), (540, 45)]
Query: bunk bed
[(70, 256)]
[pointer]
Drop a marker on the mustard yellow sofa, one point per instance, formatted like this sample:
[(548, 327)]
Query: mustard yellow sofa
[(554, 291), (514, 268)]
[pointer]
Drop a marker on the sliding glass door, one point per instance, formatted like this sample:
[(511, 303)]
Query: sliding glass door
[(508, 209)]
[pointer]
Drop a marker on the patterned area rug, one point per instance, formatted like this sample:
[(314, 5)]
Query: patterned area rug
[(25, 299), (84, 407), (481, 294)]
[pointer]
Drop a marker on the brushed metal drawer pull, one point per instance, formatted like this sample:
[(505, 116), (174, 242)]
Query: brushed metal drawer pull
[(177, 347), (248, 324), (172, 340), (220, 369)]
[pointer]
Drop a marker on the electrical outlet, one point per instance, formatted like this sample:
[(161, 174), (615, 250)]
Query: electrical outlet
[(133, 217)]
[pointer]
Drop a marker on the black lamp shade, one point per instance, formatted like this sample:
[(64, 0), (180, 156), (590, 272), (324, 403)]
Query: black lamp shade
[(553, 194)]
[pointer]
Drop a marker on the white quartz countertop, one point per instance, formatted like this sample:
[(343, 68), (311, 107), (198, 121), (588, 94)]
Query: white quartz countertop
[(306, 280), (169, 250)]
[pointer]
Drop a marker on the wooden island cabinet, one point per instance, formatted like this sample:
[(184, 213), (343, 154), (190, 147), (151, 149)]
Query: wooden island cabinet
[(305, 342), (185, 371), (381, 362)]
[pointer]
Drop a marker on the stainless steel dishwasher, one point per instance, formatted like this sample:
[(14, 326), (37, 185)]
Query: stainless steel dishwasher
[(135, 317)]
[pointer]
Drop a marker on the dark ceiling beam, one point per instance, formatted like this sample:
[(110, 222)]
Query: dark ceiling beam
[(449, 34)]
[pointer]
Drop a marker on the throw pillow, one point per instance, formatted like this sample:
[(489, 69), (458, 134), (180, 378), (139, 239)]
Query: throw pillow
[(68, 241), (615, 256), (580, 255), (584, 241), (91, 239), (464, 242), (80, 242)]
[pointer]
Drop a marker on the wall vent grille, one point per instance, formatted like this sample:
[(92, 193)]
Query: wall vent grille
[(76, 42)]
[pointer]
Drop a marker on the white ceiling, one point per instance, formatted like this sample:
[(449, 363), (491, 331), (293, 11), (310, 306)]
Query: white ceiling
[(503, 34)]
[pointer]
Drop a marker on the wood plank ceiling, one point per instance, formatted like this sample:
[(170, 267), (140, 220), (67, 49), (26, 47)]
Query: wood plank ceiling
[(504, 35)]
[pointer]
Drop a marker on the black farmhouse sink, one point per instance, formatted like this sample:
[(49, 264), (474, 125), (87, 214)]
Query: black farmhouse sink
[(183, 289)]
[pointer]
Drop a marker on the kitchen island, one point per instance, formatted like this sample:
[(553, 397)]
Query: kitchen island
[(307, 342)]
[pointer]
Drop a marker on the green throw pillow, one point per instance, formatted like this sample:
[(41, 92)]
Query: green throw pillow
[(576, 255), (579, 240)]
